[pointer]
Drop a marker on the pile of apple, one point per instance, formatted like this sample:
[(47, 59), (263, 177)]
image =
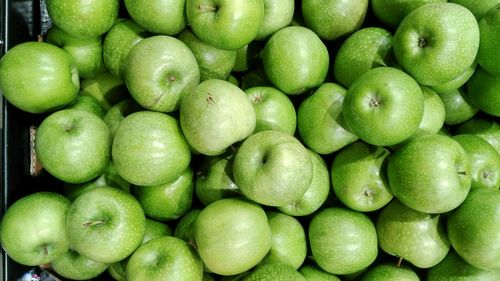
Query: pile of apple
[(262, 140)]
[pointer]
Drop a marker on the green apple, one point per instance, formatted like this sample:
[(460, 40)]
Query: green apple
[(320, 121), (117, 270), (83, 18), (233, 80), (295, 60), (248, 56), (437, 42), (225, 24), (167, 201), (38, 77), (73, 145), (155, 229), (416, 237), (342, 241), (316, 193), (331, 19), (215, 115), (288, 240), (482, 91), (392, 12), (185, 226), (363, 50), (106, 88), (478, 8), (277, 15), (165, 258), (390, 272), (434, 113), (74, 266), (272, 168), (214, 63), (32, 230), (159, 71), (314, 273), (87, 52), (489, 29), (358, 177), (275, 272), (487, 129), (105, 224), (87, 103), (166, 17), (384, 106), (232, 236), (454, 268), (431, 174), (117, 43), (118, 112), (474, 229), (273, 109), (485, 161), (458, 107), (255, 77), (149, 149), (456, 82)]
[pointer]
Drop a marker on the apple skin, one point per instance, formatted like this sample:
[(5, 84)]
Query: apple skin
[(314, 273), (87, 103), (482, 91), (431, 174), (165, 258), (159, 71), (489, 27), (434, 114), (185, 227), (166, 17), (389, 272), (149, 149), (458, 107), (454, 268), (478, 8), (248, 56), (118, 112), (474, 229), (73, 17), (272, 168), (273, 109), (334, 18), (167, 201), (106, 88), (456, 82), (392, 12), (215, 115), (117, 43), (225, 24), (445, 50), (487, 129), (255, 77), (275, 272), (232, 236), (38, 77), (295, 60), (358, 177), (155, 229), (32, 230), (277, 15), (320, 121), (365, 49), (105, 224), (74, 266), (417, 237), (73, 145), (384, 106)]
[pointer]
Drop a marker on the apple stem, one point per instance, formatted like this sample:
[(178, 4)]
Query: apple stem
[(40, 38), (92, 223), (422, 42), (400, 260), (207, 8)]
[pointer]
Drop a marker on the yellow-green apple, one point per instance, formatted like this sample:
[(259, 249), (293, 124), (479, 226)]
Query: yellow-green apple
[(277, 15), (275, 272), (390, 272)]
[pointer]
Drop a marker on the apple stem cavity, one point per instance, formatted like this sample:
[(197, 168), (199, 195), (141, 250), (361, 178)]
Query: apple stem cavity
[(422, 42), (462, 173), (375, 102), (207, 8), (92, 223), (210, 99)]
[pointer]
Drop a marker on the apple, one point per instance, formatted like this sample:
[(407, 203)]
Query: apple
[(117, 270), (155, 229), (456, 82), (342, 241), (216, 115), (320, 121), (232, 236), (288, 240), (458, 107), (416, 237), (149, 149), (225, 24), (214, 63), (275, 272), (482, 91), (474, 229), (159, 71), (233, 80), (485, 161), (248, 56), (272, 168), (331, 19), (392, 13), (72, 265), (118, 112), (384, 106), (32, 230), (277, 15), (105, 224), (167, 201), (295, 60), (454, 268), (431, 174), (437, 42), (165, 258), (389, 272), (185, 226), (358, 177), (314, 273), (478, 8), (487, 129), (317, 192), (73, 145), (38, 77), (365, 49), (87, 103), (255, 77), (83, 18), (434, 114), (273, 109), (489, 26), (106, 88), (117, 43), (166, 17)]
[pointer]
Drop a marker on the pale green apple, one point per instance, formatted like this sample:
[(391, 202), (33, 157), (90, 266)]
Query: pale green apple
[(166, 17), (392, 12), (458, 106), (106, 88), (390, 272), (277, 15), (489, 29), (454, 268), (483, 91), (72, 265)]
